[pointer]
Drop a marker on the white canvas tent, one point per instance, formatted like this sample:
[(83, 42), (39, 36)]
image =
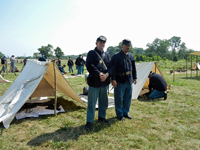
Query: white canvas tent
[(143, 70), (36, 80)]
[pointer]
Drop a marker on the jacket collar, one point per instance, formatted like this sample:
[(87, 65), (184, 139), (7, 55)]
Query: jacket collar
[(98, 51)]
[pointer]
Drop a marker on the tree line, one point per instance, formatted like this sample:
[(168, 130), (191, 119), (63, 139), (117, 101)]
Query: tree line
[(166, 49)]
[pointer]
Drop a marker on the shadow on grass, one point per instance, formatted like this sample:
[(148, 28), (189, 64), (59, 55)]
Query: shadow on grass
[(193, 78), (70, 133), (145, 99)]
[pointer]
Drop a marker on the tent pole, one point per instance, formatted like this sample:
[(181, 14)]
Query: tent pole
[(197, 67), (55, 103), (186, 65), (191, 66)]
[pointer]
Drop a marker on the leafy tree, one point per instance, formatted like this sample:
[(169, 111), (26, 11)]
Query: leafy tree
[(175, 58), (138, 50), (110, 50), (36, 55), (158, 47), (1, 55), (46, 50), (175, 42), (58, 52)]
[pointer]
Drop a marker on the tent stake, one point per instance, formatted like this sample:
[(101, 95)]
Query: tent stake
[(55, 103)]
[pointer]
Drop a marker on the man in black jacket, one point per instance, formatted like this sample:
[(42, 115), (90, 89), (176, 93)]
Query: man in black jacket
[(70, 64), (159, 86), (123, 75), (79, 63), (98, 66)]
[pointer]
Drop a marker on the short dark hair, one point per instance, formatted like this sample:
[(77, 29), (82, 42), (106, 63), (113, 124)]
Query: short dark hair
[(64, 65)]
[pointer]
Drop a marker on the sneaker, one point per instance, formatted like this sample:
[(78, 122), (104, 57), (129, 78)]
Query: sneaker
[(121, 118), (103, 120), (128, 116), (88, 126), (165, 96)]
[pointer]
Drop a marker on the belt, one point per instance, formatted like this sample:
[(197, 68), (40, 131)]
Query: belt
[(125, 73)]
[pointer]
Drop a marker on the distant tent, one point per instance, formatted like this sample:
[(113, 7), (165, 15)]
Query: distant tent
[(143, 70), (195, 66), (36, 80)]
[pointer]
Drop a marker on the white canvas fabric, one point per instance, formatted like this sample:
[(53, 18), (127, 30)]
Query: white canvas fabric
[(143, 70), (198, 65), (36, 80), (2, 80)]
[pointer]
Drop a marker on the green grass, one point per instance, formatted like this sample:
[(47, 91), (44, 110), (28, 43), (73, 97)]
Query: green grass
[(156, 124)]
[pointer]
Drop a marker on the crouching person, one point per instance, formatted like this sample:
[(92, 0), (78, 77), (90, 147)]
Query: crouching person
[(61, 68), (159, 86), (98, 66)]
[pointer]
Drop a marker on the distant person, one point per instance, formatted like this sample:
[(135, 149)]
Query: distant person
[(83, 64), (3, 62), (70, 64), (124, 74), (159, 86), (79, 63), (61, 68), (58, 62), (42, 58), (12, 60), (25, 61)]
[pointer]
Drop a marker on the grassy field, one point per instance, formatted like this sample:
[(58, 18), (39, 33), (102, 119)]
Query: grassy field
[(158, 124)]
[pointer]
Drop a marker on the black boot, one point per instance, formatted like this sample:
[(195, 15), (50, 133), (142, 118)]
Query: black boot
[(88, 126)]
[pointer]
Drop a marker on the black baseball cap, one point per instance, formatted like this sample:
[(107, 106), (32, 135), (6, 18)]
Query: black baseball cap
[(126, 42), (101, 38)]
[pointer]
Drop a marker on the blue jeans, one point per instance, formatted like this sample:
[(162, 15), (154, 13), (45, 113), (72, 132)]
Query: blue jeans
[(71, 69), (82, 69), (123, 96), (12, 66), (3, 68), (79, 69), (156, 94), (93, 95)]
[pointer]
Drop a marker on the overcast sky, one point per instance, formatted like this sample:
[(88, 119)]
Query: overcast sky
[(74, 25)]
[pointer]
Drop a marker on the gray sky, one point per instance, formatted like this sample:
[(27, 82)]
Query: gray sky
[(74, 25)]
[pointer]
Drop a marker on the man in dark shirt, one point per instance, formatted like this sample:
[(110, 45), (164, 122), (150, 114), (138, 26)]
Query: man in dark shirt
[(58, 62), (79, 63), (159, 86), (3, 62), (123, 75), (61, 68), (70, 64), (98, 66), (25, 61), (42, 58)]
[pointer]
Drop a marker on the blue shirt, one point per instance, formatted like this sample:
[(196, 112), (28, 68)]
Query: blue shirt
[(61, 69), (94, 67), (121, 64)]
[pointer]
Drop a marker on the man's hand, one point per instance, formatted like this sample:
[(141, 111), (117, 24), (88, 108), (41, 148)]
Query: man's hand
[(135, 81), (114, 83), (103, 76)]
